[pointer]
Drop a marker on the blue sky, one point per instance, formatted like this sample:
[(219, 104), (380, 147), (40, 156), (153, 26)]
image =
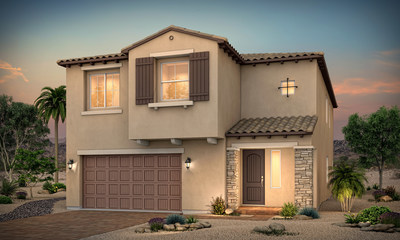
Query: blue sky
[(361, 39)]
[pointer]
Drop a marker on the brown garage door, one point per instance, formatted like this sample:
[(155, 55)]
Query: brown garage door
[(133, 182)]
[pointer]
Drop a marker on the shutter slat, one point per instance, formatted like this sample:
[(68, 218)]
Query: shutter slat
[(144, 80), (199, 76)]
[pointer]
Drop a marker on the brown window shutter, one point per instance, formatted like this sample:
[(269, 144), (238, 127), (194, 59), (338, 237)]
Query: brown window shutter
[(144, 80), (199, 76)]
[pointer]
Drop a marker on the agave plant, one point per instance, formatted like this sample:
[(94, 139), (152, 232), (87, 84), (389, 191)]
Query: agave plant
[(347, 182)]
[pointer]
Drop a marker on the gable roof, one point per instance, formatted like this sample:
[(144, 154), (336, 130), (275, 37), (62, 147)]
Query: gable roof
[(273, 126), (93, 59)]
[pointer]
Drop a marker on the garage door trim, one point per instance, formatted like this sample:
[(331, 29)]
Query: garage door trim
[(88, 152)]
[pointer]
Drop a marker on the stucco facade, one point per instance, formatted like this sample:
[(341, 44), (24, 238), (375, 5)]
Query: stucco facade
[(238, 89)]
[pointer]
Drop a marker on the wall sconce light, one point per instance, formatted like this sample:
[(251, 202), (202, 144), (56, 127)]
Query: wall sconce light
[(70, 163), (187, 163)]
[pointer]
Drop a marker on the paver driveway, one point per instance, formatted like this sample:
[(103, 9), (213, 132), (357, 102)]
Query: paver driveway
[(72, 224)]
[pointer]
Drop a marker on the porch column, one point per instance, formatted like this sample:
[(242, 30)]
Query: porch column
[(232, 177), (303, 180)]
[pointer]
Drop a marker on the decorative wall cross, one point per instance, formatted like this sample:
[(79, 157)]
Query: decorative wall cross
[(287, 87)]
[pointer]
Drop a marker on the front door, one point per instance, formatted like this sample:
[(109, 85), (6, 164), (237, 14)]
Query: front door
[(253, 176)]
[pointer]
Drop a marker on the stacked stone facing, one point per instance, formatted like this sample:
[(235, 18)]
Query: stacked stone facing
[(232, 177), (303, 186)]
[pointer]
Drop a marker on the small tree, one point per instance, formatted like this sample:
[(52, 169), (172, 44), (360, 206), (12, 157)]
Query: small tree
[(34, 167), (375, 137), (347, 182)]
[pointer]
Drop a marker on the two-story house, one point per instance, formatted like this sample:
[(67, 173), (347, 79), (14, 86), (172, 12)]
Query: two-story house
[(180, 117)]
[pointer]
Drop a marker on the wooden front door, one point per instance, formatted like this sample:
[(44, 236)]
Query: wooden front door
[(254, 176)]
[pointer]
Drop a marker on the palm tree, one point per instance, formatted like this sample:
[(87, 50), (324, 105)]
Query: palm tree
[(52, 103), (347, 182)]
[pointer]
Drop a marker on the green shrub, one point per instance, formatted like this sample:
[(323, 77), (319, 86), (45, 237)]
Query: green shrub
[(311, 212), (22, 181), (372, 214), (396, 197), (50, 187), (390, 191), (368, 188), (21, 195), (191, 219), (218, 206), (352, 218), (8, 188), (5, 200), (375, 186), (378, 194), (60, 185), (175, 218), (156, 224), (288, 210)]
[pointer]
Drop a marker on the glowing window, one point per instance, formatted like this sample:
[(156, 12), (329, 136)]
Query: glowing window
[(275, 169), (175, 81), (287, 87), (104, 90)]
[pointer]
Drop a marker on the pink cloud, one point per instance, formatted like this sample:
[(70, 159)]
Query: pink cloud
[(390, 52), (12, 72), (357, 86), (389, 63)]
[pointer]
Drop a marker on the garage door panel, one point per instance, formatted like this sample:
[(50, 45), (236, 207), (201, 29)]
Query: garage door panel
[(149, 175), (101, 202), (101, 162), (101, 175), (175, 161), (137, 175), (114, 162), (90, 162), (149, 161), (175, 175), (137, 203), (113, 189), (163, 161), (101, 189), (113, 175), (113, 203), (126, 162), (137, 189), (175, 190), (162, 175), (125, 175), (148, 189), (175, 204), (90, 189), (162, 190), (137, 161), (125, 203), (90, 176), (163, 204), (90, 202), (149, 204), (125, 189)]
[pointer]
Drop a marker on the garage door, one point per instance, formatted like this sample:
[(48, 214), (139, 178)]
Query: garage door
[(133, 182)]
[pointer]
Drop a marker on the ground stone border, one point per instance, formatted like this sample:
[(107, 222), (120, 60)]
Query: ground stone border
[(175, 227), (366, 226)]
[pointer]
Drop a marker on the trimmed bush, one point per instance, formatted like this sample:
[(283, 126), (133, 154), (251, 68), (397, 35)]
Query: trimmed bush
[(390, 218), (60, 185), (218, 206), (191, 219), (175, 218), (8, 188), (21, 195), (289, 210), (5, 200), (372, 214), (50, 187), (156, 224), (311, 212)]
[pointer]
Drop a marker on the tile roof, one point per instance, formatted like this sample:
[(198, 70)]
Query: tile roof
[(294, 125), (267, 56), (97, 58)]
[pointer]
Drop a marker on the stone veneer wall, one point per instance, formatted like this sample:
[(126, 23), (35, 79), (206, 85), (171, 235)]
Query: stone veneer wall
[(303, 185), (232, 178)]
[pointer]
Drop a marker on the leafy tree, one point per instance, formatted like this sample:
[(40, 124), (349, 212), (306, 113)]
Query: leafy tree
[(375, 137), (20, 126), (52, 103), (347, 182), (34, 167)]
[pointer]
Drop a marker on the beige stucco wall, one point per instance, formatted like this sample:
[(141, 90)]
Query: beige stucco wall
[(200, 120), (260, 96)]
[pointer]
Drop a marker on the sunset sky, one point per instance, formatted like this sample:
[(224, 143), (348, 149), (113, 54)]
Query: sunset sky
[(361, 40)]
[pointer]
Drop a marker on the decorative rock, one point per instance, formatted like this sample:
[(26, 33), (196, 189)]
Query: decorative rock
[(345, 224), (43, 192), (185, 225), (382, 227), (397, 229), (206, 224), (364, 224), (180, 228), (385, 199), (302, 217), (169, 227), (390, 230), (139, 230), (263, 229), (177, 224), (367, 229), (196, 225), (277, 227), (147, 230), (229, 211), (61, 190)]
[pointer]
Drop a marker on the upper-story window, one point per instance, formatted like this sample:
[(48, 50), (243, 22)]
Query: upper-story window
[(104, 90), (175, 81), (287, 87)]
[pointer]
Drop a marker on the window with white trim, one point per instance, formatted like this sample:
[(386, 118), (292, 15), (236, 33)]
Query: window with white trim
[(175, 81), (275, 168), (104, 90)]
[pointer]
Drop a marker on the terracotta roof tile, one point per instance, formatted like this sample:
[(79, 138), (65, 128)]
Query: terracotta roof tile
[(266, 56), (284, 125), (93, 58)]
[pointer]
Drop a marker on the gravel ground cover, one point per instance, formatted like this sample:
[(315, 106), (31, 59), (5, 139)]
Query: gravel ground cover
[(31, 209)]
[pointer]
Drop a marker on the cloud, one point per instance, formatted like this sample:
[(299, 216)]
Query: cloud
[(390, 52), (357, 86), (12, 72), (393, 64)]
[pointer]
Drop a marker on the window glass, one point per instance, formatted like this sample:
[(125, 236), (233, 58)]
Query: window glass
[(104, 90), (175, 81), (287, 87), (275, 169)]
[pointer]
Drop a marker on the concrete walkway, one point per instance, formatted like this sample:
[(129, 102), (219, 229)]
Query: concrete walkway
[(72, 225)]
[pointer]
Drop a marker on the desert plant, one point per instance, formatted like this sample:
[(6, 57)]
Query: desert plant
[(375, 186), (352, 218), (396, 197), (288, 210), (49, 187), (60, 185), (175, 218), (218, 206), (191, 219), (21, 195), (368, 188), (8, 188), (235, 213), (311, 212), (390, 218), (372, 214), (378, 194), (347, 182), (156, 224), (5, 200), (21, 181), (390, 191)]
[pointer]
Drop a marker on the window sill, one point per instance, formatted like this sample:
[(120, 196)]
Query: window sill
[(183, 104), (101, 112)]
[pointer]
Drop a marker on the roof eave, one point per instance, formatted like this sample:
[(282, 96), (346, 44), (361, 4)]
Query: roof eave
[(299, 133)]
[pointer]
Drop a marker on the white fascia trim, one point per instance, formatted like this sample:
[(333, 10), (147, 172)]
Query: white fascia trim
[(303, 147), (232, 149), (119, 210), (101, 112), (264, 145), (183, 104), (101, 66), (172, 53), (130, 151), (193, 212)]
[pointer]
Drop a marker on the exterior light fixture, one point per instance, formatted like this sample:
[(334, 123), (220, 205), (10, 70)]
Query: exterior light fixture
[(70, 163), (187, 163)]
